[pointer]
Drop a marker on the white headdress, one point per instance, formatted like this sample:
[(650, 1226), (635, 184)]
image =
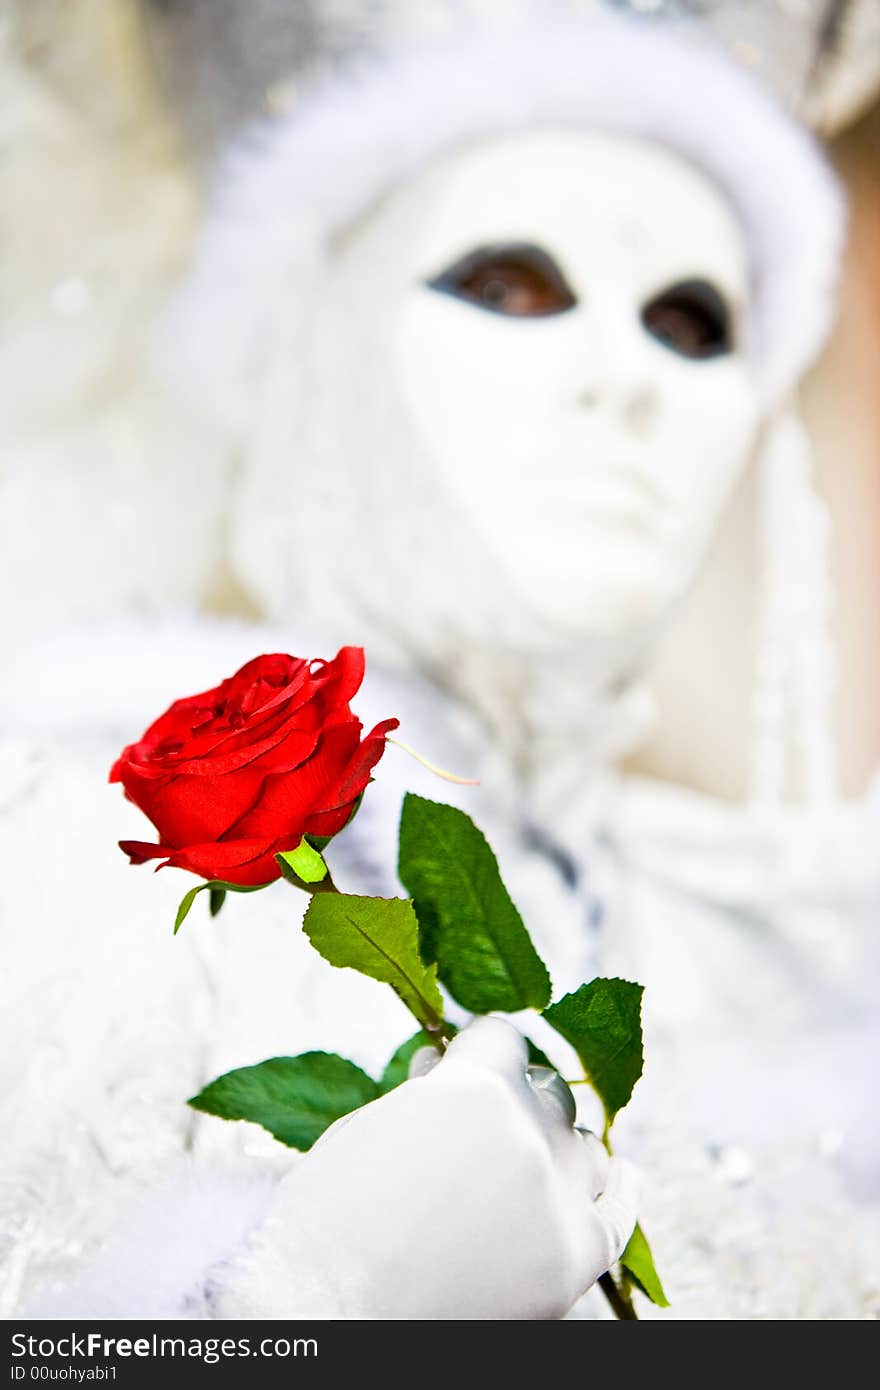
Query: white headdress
[(291, 186), (223, 62)]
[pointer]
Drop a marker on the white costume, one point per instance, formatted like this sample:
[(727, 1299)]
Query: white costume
[(509, 510)]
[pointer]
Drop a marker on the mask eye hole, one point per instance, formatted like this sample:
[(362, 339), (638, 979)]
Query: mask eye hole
[(517, 280), (690, 318)]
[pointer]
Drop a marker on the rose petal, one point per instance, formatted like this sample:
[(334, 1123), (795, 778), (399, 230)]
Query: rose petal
[(357, 771), (298, 745), (339, 680), (328, 823), (187, 809), (232, 775), (245, 862), (275, 668), (193, 723), (288, 797), (139, 852)]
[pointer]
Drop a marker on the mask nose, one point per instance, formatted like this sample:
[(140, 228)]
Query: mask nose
[(612, 375), (633, 404)]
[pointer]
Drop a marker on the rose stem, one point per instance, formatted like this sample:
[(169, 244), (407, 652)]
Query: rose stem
[(620, 1302)]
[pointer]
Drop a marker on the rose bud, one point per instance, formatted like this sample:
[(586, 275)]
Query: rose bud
[(233, 776)]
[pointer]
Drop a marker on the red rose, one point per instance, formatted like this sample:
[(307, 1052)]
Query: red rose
[(231, 777)]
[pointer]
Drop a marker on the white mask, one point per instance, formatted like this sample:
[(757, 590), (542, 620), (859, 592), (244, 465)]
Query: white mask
[(552, 429), (514, 503)]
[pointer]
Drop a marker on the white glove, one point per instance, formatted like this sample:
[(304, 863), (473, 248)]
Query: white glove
[(465, 1193)]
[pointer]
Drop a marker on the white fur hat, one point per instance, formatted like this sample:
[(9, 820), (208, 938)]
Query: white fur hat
[(294, 182)]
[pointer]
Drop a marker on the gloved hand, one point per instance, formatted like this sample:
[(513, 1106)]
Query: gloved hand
[(465, 1193)]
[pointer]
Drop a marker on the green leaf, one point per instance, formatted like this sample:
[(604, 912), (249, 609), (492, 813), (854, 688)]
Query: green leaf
[(469, 924), (216, 887), (305, 862), (320, 842), (638, 1262), (186, 903), (380, 938), (397, 1069), (603, 1023), (294, 1098)]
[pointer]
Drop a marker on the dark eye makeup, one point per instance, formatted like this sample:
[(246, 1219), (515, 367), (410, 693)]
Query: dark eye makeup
[(520, 280), (691, 319), (515, 279)]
